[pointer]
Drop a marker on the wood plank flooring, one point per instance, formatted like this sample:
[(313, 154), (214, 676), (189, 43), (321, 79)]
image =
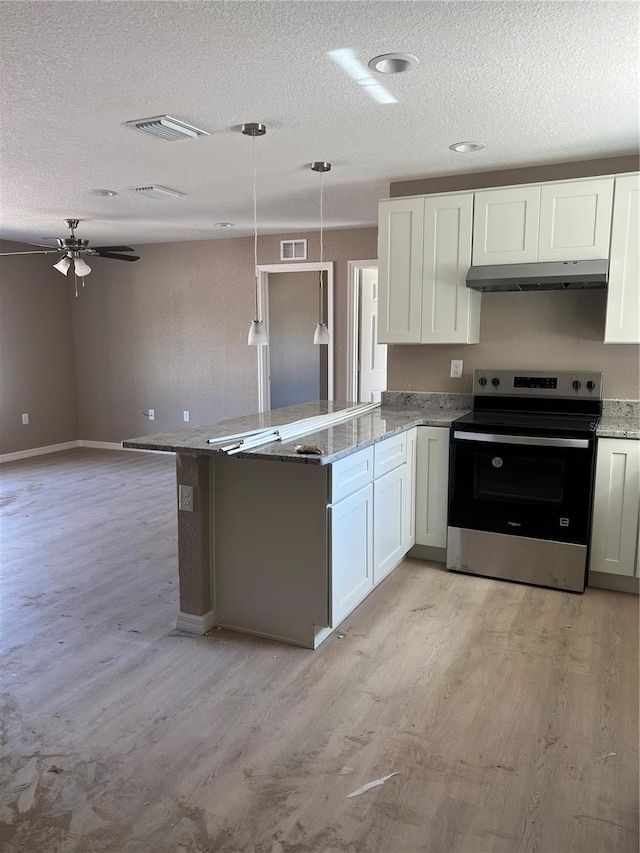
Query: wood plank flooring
[(509, 713)]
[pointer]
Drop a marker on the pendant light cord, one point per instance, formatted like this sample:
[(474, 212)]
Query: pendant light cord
[(255, 225), (321, 254)]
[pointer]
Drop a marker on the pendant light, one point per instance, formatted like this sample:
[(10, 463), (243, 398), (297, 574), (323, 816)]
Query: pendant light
[(257, 331), (321, 335)]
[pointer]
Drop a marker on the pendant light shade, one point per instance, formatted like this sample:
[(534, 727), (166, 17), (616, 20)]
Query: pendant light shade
[(257, 332), (321, 335), (81, 267), (63, 265)]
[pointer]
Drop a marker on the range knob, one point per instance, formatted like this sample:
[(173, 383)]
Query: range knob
[(576, 385), (495, 381), (591, 385), (482, 381)]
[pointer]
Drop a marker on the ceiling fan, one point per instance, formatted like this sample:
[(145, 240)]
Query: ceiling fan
[(73, 248)]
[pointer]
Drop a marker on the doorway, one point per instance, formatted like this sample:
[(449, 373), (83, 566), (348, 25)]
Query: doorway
[(292, 369), (366, 358)]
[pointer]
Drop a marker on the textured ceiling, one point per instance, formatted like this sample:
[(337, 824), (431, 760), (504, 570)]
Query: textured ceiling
[(535, 81)]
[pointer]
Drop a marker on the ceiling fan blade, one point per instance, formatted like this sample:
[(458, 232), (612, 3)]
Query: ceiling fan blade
[(46, 252), (112, 249), (117, 257)]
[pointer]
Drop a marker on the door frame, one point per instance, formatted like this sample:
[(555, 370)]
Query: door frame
[(264, 388), (353, 323)]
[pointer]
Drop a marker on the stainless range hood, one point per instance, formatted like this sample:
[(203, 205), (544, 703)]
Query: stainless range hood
[(547, 275)]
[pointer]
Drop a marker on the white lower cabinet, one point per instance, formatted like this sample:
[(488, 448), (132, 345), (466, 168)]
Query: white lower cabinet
[(616, 506), (389, 519), (351, 537), (432, 483)]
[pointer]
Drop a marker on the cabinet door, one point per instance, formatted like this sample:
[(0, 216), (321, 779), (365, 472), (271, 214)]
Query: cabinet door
[(575, 220), (389, 494), (410, 484), (400, 270), (351, 536), (623, 297), (614, 538), (432, 485), (505, 225), (450, 310)]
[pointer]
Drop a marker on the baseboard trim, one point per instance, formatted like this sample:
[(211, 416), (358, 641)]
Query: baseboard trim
[(193, 624), (38, 451), (70, 445), (617, 583), (429, 552)]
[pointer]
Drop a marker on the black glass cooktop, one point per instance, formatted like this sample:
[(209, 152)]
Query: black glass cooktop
[(528, 423)]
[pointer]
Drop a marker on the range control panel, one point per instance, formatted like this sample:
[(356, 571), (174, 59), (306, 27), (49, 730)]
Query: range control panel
[(568, 384)]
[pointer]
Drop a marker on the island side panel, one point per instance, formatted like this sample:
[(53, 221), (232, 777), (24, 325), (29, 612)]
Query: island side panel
[(194, 549), (271, 562)]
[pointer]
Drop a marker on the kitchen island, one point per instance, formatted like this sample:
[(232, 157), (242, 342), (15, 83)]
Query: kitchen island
[(285, 545)]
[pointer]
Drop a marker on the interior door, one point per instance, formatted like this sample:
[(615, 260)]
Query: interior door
[(372, 355)]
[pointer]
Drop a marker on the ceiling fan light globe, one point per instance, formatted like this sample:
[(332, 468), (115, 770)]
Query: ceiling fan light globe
[(63, 265), (257, 334), (81, 267), (321, 335)]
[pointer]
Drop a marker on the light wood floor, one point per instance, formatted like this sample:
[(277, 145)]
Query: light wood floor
[(509, 713)]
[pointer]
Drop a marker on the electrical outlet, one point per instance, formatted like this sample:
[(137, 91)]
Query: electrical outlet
[(185, 498), (456, 369), (152, 414), (25, 418), (185, 416)]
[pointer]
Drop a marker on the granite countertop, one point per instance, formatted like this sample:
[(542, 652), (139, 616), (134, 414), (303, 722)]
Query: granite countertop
[(397, 413), (620, 419)]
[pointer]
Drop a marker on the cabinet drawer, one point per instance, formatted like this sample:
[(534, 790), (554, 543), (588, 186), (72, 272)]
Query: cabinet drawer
[(350, 474), (389, 454)]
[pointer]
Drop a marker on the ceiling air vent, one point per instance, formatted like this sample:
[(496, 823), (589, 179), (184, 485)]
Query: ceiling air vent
[(167, 127), (293, 250), (156, 191)]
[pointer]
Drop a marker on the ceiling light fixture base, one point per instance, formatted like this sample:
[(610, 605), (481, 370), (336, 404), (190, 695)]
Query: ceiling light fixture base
[(320, 166), (253, 128)]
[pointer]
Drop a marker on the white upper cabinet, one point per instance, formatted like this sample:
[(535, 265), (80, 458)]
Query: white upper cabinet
[(450, 310), (565, 221), (424, 254), (575, 220), (623, 300), (400, 224), (505, 225)]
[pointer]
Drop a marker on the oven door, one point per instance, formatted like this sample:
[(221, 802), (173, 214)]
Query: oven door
[(530, 486)]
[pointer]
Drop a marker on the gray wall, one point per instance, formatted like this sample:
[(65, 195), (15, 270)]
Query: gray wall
[(37, 373), (168, 332), (536, 330)]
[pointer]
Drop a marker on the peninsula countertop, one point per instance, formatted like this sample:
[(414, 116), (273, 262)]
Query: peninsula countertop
[(335, 441)]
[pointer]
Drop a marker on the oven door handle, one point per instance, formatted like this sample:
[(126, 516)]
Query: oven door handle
[(529, 440)]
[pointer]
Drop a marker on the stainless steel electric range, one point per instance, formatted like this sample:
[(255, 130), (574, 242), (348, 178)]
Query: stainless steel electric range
[(521, 477)]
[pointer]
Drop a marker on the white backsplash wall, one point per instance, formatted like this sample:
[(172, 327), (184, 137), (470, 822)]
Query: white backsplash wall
[(552, 330)]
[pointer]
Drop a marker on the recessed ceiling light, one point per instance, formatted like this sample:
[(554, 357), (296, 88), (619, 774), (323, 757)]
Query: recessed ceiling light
[(224, 224), (393, 63), (466, 147), (106, 193)]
